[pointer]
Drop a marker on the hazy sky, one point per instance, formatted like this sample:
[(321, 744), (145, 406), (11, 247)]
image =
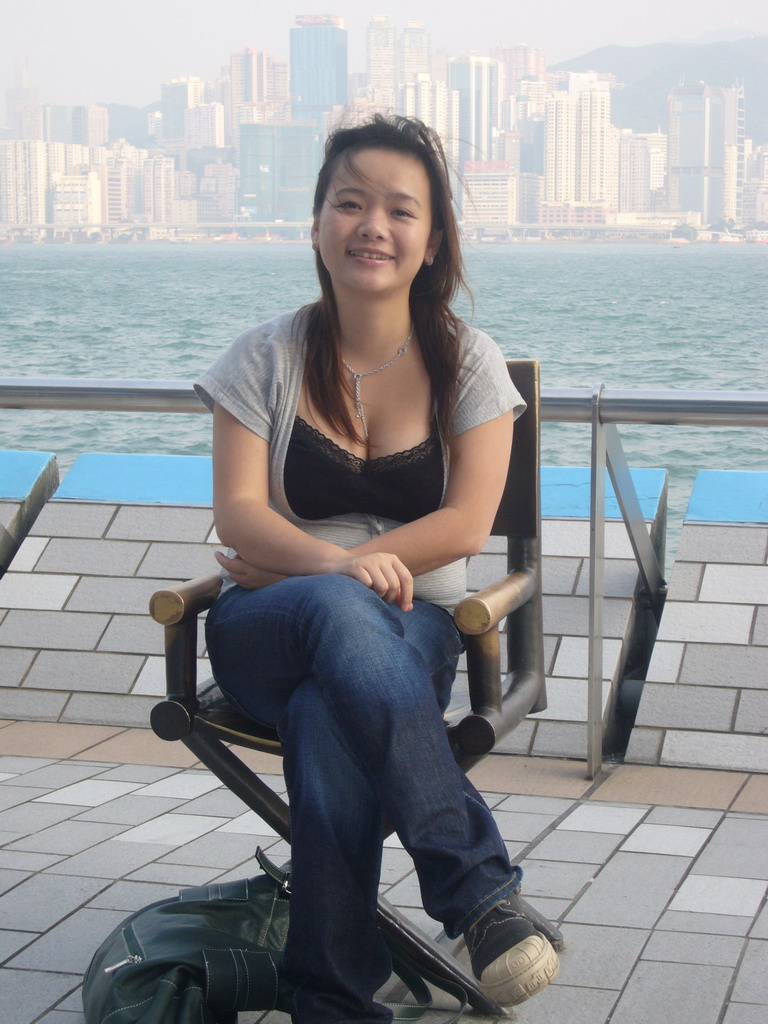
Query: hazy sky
[(120, 50)]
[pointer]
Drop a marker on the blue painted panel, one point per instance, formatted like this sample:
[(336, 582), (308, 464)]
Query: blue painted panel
[(727, 496), (565, 492), (144, 479), (19, 471)]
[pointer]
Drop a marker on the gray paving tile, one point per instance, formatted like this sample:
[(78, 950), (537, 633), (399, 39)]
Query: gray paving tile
[(522, 827), (179, 561), (180, 875), (69, 946), (67, 837), (753, 710), (41, 901), (687, 707), (24, 1001), (92, 557), (131, 896), (694, 948), (14, 664), (12, 941), (752, 980), (9, 879), (219, 803), (679, 840), (566, 1004), (684, 993), (27, 861), (17, 810), (760, 929), (725, 664), (130, 810), (90, 671), (737, 849), (219, 849), (57, 631), (729, 544), (550, 805), (118, 709), (760, 635), (713, 924), (717, 894), (131, 633), (744, 1013), (406, 893), (395, 865), (137, 773), (112, 859), (581, 847), (13, 763), (61, 773), (559, 880), (692, 816), (65, 519), (599, 957), (148, 522), (631, 891), (62, 1017)]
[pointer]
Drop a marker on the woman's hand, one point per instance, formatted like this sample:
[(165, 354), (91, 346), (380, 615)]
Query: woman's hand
[(382, 572), (245, 574)]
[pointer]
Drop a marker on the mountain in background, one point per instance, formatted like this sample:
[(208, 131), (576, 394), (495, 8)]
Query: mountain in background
[(649, 73)]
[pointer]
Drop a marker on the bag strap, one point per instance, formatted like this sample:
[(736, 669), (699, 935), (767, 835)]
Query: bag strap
[(414, 978)]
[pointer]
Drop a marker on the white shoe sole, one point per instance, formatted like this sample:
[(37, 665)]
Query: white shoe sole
[(521, 972)]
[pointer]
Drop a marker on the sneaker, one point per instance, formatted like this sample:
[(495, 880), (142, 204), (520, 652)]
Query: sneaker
[(510, 958)]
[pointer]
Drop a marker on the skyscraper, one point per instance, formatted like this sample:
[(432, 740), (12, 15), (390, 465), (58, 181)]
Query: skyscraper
[(278, 167), (478, 82), (176, 97), (381, 54), (318, 66), (415, 55), (706, 150)]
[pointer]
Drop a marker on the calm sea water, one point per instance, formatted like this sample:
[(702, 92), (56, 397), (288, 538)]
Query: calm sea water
[(635, 316)]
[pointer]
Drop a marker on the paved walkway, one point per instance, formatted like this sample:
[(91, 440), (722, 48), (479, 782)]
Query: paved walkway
[(657, 875)]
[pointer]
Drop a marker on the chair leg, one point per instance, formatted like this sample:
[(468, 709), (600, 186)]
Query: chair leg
[(399, 930), (429, 955)]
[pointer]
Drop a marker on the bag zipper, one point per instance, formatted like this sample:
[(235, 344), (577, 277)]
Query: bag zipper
[(123, 963), (131, 941)]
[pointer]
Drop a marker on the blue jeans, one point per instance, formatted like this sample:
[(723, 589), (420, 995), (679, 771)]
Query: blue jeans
[(356, 689)]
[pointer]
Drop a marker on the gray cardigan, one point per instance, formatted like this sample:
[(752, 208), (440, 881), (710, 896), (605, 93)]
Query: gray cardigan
[(258, 380)]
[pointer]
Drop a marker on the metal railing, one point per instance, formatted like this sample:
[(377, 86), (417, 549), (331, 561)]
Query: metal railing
[(602, 408)]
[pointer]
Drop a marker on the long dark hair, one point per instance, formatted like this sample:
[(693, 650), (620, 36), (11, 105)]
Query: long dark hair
[(432, 291)]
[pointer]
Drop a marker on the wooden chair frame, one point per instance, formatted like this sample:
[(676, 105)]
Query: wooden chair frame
[(207, 725)]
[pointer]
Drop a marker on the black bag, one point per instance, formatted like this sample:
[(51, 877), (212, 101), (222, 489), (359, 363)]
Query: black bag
[(213, 951)]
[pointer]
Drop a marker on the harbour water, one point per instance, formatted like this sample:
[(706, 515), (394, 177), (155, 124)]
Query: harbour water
[(630, 316)]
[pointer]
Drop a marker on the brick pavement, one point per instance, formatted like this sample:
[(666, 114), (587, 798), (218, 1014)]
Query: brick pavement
[(657, 875)]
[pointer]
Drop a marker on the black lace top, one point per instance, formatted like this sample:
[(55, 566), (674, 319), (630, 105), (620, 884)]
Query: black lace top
[(323, 480)]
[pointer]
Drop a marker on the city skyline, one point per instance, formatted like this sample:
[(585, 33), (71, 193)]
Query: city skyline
[(80, 63)]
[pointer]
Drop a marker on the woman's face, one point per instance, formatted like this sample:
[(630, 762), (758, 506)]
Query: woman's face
[(374, 229)]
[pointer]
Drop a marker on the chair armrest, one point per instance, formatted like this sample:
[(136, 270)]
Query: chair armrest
[(482, 611), (185, 601)]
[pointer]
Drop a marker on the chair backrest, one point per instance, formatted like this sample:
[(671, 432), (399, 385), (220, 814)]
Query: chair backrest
[(519, 513)]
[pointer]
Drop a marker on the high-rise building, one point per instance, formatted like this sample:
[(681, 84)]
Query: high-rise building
[(89, 126), (204, 126), (415, 51), (596, 158), (519, 62), (560, 148), (76, 198), (706, 150), (478, 82), (437, 106), (278, 168), (318, 67), (176, 98), (159, 189), (381, 60)]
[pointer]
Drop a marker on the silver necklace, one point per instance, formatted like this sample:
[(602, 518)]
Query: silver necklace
[(358, 378)]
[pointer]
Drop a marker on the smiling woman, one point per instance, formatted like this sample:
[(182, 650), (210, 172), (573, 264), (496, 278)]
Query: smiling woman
[(396, 419)]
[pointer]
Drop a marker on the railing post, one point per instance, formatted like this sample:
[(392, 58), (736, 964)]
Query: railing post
[(596, 588)]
